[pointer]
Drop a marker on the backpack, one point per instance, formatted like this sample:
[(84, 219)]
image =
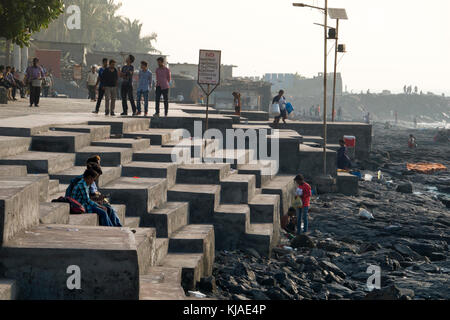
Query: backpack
[(75, 206)]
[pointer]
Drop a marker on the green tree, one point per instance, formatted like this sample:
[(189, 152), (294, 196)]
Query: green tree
[(19, 19)]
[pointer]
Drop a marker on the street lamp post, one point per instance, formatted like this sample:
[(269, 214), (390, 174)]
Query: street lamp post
[(325, 78)]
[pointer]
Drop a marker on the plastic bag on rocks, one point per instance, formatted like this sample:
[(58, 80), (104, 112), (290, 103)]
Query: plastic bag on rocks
[(363, 213)]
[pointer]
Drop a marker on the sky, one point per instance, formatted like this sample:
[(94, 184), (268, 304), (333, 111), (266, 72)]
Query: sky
[(389, 43)]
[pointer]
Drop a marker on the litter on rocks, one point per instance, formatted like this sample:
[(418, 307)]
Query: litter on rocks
[(363, 213), (197, 294)]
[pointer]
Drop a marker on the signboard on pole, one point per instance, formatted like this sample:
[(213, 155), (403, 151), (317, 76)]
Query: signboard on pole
[(209, 67)]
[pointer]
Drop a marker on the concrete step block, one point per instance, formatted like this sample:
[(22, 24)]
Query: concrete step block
[(202, 173), (53, 187), (237, 188), (42, 180), (54, 213), (162, 249), (13, 171), (262, 171), (146, 248), (191, 265), (265, 208), (88, 219), (195, 239), (19, 206), (231, 222), (308, 158), (111, 157), (121, 211), (107, 257), (195, 147), (168, 218), (140, 195), (347, 184), (11, 146), (134, 144), (234, 157), (262, 238), (121, 126), (109, 175), (163, 284), (60, 141), (160, 170), (41, 162), (132, 222), (285, 187), (97, 133), (161, 154), (157, 137), (8, 290), (203, 200)]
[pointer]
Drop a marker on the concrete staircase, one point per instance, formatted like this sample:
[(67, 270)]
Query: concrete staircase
[(175, 215)]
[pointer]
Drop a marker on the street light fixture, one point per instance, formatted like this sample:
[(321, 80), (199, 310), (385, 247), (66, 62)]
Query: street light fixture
[(325, 11)]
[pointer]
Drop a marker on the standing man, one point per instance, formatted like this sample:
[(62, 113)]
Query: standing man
[(100, 85), (145, 85), (237, 103), (127, 86), (92, 79), (163, 78), (305, 193), (34, 76), (110, 78), (281, 101)]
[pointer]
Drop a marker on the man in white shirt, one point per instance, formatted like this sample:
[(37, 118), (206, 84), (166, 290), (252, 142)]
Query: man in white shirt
[(92, 82)]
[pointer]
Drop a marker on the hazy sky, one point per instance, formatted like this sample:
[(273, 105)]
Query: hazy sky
[(390, 42)]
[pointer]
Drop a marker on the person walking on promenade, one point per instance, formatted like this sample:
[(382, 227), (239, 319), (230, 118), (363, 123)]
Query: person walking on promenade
[(100, 85), (305, 193), (163, 78), (34, 77), (144, 87), (281, 101), (126, 90), (110, 78), (237, 103), (92, 79)]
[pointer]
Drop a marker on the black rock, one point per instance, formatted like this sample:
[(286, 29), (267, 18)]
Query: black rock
[(268, 282), (278, 294), (390, 293), (258, 295), (437, 256), (302, 241), (333, 268), (405, 188), (280, 277)]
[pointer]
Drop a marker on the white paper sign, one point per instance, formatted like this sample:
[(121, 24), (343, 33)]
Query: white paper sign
[(209, 67)]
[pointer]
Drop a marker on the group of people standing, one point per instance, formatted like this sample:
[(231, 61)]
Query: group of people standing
[(107, 82)]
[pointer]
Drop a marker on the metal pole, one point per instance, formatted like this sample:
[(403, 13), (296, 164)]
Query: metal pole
[(325, 90), (207, 107), (335, 68)]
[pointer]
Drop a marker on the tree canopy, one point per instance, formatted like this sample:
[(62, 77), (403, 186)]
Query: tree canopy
[(19, 19), (102, 29)]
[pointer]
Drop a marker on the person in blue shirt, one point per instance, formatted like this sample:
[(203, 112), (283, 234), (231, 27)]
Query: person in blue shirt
[(145, 85), (100, 85)]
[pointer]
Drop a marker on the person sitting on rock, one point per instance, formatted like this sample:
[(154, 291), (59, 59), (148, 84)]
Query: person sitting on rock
[(343, 160), (81, 194), (304, 191), (289, 221)]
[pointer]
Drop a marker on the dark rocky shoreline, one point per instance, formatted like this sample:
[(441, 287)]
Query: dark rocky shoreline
[(408, 237)]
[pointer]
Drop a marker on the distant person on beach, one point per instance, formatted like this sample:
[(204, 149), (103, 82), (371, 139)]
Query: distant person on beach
[(91, 82), (412, 142), (144, 87), (415, 122), (343, 160), (339, 113), (100, 85), (34, 76), (305, 193), (237, 103), (163, 78), (110, 80), (281, 101), (396, 117), (126, 91)]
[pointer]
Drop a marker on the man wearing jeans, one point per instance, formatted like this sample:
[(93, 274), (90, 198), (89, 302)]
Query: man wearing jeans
[(100, 85), (303, 191), (126, 91), (163, 78), (145, 85), (110, 79)]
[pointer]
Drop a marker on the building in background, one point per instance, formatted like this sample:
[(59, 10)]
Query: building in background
[(191, 70)]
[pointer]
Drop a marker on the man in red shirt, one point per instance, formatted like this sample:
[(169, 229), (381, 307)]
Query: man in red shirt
[(303, 191)]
